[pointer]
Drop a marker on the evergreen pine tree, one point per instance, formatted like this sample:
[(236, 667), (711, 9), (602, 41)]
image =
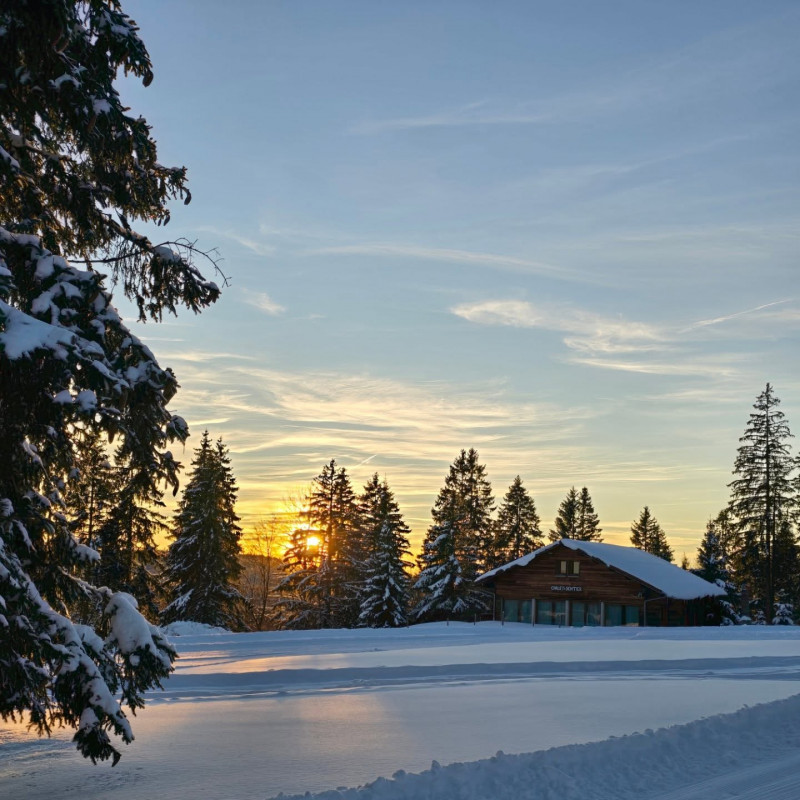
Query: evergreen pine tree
[(300, 592), (647, 535), (334, 514), (715, 557), (90, 488), (566, 522), (712, 555), (763, 498), (127, 540), (455, 548), (77, 171), (787, 565), (385, 590), (587, 527), (203, 563), (516, 531)]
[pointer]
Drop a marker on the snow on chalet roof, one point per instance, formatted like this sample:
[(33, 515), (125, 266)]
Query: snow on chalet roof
[(656, 572)]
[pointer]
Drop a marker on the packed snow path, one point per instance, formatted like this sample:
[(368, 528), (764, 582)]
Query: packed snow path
[(252, 715)]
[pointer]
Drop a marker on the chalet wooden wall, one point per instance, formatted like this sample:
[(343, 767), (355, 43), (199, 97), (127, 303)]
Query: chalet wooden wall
[(596, 581)]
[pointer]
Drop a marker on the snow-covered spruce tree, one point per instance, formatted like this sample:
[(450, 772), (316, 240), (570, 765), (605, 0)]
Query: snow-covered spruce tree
[(384, 591), (764, 497), (648, 535), (453, 552), (203, 561), (77, 171), (516, 530)]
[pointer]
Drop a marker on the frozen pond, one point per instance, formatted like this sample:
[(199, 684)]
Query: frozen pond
[(229, 743)]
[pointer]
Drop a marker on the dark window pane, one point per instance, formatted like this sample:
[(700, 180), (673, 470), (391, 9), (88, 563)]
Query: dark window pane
[(510, 610), (613, 614), (631, 615)]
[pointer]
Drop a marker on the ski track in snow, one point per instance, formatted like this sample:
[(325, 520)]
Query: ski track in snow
[(255, 715)]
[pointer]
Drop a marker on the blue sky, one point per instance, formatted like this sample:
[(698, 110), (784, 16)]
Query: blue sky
[(565, 234)]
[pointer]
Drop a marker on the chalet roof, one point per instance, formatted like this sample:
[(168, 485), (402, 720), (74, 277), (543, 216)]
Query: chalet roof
[(656, 572)]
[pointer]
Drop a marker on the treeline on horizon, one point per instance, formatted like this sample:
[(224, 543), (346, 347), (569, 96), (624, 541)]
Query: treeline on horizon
[(347, 563)]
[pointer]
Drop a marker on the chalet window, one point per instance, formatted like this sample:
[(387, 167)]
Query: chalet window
[(593, 614), (621, 615), (517, 611), (632, 615), (551, 612), (614, 613), (578, 611), (510, 610), (569, 567)]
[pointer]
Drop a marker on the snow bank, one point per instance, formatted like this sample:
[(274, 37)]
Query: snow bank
[(625, 768), (190, 629)]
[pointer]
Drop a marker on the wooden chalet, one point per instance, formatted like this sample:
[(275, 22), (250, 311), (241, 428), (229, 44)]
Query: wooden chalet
[(575, 583)]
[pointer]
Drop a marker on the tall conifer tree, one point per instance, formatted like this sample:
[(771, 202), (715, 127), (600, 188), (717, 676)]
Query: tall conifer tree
[(764, 498), (576, 518), (203, 561), (566, 521), (127, 538), (712, 555), (78, 172), (587, 523), (456, 546), (647, 535), (334, 514), (517, 530), (300, 604), (384, 592)]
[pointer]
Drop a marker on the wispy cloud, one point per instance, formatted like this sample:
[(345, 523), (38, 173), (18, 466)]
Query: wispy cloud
[(263, 302), (451, 255), (282, 426), (200, 356), (705, 323), (254, 245), (724, 61), (588, 332), (615, 343), (700, 367), (477, 113)]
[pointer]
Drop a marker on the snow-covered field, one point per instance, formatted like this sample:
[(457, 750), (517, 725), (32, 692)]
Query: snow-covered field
[(253, 715)]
